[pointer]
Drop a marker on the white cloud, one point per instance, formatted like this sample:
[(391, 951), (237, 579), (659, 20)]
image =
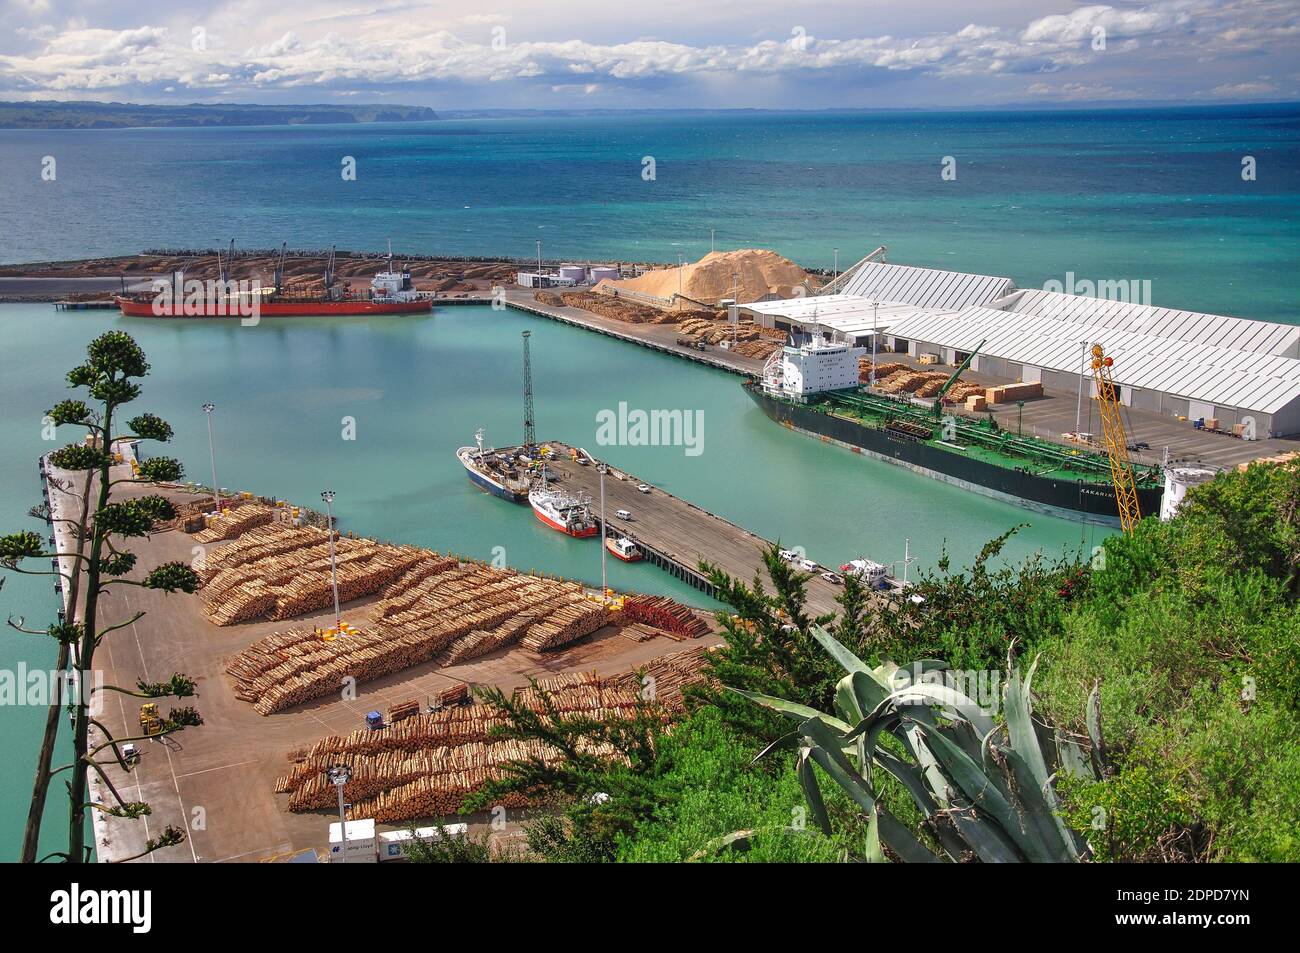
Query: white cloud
[(393, 47)]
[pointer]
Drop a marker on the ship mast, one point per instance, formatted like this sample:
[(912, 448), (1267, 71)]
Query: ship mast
[(530, 436)]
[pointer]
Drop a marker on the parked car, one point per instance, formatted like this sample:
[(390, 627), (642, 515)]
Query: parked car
[(644, 488), (808, 565), (833, 578), (789, 555)]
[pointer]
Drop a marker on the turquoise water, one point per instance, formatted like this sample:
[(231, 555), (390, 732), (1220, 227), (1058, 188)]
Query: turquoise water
[(1121, 194), (417, 388)]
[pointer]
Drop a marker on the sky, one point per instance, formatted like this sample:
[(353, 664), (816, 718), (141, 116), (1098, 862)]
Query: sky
[(634, 54)]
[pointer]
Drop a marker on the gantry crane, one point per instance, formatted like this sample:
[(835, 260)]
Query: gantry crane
[(1112, 431)]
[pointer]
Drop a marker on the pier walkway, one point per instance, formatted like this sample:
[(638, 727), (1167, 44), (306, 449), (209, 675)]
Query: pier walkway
[(676, 535)]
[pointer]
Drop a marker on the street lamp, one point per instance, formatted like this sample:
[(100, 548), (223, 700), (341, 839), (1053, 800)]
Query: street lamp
[(539, 256), (679, 273), (604, 534), (328, 497), (339, 775), (711, 249), (1078, 412), (836, 270), (212, 453)]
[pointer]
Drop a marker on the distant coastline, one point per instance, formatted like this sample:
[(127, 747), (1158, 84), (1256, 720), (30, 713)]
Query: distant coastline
[(92, 115)]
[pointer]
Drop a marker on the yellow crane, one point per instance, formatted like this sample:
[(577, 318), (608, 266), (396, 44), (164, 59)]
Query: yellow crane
[(1116, 440)]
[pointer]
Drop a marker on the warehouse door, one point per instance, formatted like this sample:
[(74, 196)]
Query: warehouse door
[(1031, 375), (1197, 410)]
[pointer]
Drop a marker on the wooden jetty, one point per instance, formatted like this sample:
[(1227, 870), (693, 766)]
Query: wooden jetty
[(674, 534)]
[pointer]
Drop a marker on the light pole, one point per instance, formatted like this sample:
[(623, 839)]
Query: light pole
[(539, 256), (836, 270), (328, 497), (604, 534), (212, 453), (711, 247), (875, 333), (339, 775), (679, 273), (1078, 413)]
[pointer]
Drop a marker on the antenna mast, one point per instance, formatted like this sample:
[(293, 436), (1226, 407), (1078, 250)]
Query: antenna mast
[(530, 436)]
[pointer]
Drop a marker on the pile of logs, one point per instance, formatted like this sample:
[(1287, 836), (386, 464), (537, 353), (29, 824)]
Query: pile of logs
[(234, 522), (280, 572), (403, 711), (883, 369), (668, 675), (427, 765), (434, 608), (663, 613), (568, 623)]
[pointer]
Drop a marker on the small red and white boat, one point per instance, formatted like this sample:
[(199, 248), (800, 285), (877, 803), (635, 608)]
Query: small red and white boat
[(562, 512), (623, 548)]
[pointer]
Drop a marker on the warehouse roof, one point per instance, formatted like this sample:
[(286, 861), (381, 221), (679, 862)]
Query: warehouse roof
[(925, 287), (847, 314), (1240, 334), (1223, 376)]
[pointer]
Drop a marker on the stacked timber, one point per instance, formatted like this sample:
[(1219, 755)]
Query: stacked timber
[(663, 679), (664, 614), (431, 608), (236, 520), (568, 623), (427, 765)]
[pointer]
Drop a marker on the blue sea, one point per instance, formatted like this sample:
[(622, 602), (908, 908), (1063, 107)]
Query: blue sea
[(1120, 194)]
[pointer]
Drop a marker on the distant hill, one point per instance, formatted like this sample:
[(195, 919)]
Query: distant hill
[(91, 115)]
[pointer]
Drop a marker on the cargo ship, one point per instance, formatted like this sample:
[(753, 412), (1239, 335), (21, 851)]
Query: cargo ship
[(503, 473), (391, 292), (975, 455), (562, 511)]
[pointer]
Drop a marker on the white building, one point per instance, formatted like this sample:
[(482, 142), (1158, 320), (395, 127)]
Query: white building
[(812, 367), (1167, 361)]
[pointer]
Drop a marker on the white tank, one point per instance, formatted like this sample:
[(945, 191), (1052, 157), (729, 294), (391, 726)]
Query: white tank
[(576, 272), (1178, 480), (603, 273)]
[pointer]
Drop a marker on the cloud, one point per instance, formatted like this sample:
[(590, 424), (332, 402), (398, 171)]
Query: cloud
[(394, 47)]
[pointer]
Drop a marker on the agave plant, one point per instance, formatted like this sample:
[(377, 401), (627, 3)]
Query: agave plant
[(984, 789)]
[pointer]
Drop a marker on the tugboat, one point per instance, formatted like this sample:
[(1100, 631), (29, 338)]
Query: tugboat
[(496, 472), (623, 548), (561, 511)]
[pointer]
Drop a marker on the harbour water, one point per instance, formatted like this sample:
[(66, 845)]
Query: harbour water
[(289, 393)]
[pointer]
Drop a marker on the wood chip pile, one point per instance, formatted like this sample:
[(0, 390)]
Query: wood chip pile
[(427, 765), (663, 613)]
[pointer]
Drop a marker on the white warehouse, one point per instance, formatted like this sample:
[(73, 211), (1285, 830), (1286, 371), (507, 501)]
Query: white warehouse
[(1166, 361)]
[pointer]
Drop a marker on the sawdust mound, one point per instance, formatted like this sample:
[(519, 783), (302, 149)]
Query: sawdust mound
[(709, 280)]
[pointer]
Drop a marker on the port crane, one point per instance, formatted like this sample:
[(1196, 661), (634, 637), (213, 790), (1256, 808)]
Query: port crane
[(279, 267), (1116, 441), (947, 386)]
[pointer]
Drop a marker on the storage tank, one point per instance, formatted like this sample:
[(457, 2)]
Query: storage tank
[(1178, 480), (576, 272), (603, 273)]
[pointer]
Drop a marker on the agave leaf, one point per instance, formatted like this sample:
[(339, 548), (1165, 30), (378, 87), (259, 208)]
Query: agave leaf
[(785, 741), (1039, 810), (849, 661), (868, 691), (873, 854), (985, 838), (790, 709), (812, 792), (945, 697), (825, 750), (983, 793), (902, 841), (847, 704)]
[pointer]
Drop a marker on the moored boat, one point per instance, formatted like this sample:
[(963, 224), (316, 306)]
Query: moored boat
[(562, 511), (623, 548), (496, 472)]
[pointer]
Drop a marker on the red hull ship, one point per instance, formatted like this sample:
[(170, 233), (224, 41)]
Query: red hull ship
[(391, 292), (225, 308)]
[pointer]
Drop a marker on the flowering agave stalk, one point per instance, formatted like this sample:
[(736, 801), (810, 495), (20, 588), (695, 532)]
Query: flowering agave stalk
[(984, 789)]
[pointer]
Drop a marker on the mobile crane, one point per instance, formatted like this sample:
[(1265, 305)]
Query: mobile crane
[(1116, 441)]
